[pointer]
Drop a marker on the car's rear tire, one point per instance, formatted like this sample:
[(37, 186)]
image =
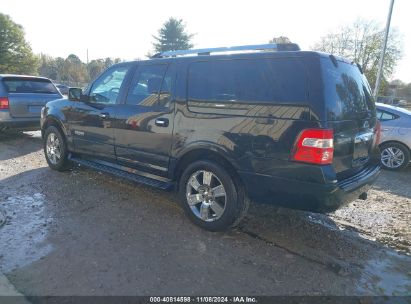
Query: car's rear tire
[(394, 156), (55, 149), (211, 197)]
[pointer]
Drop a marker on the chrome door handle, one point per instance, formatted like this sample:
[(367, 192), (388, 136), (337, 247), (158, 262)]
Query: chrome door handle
[(161, 122), (385, 129)]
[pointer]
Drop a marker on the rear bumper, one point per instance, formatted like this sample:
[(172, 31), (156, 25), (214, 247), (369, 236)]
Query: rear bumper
[(302, 195), (8, 122)]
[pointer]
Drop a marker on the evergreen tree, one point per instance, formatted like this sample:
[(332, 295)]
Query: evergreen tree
[(172, 36)]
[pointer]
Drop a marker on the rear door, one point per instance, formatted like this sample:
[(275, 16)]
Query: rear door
[(351, 114), (144, 123), (28, 95)]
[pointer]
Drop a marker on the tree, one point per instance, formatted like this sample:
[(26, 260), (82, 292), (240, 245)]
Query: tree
[(399, 88), (97, 66), (172, 36), (361, 43), (281, 39), (49, 67), (74, 70), (16, 55), (405, 91)]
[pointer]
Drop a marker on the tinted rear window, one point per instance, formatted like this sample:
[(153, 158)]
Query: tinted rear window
[(248, 80), (20, 85), (346, 91)]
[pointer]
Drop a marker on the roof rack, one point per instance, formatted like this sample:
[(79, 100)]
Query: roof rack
[(208, 51)]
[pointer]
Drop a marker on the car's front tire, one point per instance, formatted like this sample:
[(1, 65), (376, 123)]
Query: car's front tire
[(211, 197), (394, 156), (55, 149)]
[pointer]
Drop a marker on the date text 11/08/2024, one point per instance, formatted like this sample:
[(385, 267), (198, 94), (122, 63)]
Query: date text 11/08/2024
[(239, 299)]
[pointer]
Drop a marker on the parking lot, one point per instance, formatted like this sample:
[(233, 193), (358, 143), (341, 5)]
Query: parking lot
[(85, 233)]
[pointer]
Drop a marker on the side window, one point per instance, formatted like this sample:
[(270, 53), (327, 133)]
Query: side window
[(149, 86), (107, 87), (384, 116), (250, 80)]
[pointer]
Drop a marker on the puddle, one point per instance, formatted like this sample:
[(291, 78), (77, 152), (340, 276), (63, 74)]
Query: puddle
[(23, 237), (380, 276), (327, 223)]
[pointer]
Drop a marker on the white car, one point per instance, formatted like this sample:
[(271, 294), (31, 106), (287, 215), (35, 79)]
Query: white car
[(395, 136)]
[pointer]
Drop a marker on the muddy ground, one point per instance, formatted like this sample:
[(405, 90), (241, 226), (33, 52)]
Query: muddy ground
[(85, 233)]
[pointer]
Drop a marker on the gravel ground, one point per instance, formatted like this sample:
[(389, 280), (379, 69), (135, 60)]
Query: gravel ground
[(387, 218), (85, 233)]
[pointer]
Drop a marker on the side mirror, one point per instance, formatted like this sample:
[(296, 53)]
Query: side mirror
[(74, 94)]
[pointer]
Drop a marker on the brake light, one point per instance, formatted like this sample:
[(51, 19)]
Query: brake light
[(314, 146), (4, 103), (377, 132)]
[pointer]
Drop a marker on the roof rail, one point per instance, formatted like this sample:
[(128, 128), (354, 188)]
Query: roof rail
[(208, 51)]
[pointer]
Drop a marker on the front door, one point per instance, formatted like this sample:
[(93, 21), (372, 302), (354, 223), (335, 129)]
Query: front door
[(91, 121), (144, 123)]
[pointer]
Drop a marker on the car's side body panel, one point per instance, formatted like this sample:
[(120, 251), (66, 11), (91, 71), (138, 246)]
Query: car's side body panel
[(398, 129)]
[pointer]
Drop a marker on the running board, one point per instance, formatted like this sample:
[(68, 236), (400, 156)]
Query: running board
[(124, 174)]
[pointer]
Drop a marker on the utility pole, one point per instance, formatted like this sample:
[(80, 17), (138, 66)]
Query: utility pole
[(87, 56), (383, 48)]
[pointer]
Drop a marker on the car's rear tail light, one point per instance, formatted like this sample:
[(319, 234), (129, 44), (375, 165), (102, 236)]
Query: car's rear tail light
[(4, 103), (377, 132), (314, 146)]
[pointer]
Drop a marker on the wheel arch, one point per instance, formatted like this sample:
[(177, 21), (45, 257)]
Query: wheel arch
[(394, 142), (209, 153), (53, 121)]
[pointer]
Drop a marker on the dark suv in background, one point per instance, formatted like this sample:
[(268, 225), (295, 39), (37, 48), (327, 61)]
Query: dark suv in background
[(21, 100), (266, 122)]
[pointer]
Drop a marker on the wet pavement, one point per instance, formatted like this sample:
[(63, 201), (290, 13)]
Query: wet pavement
[(85, 233), (2, 217)]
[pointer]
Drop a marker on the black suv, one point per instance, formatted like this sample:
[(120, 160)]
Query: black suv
[(273, 124)]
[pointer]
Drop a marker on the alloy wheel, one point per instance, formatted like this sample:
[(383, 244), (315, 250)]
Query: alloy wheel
[(53, 148), (392, 157), (206, 195)]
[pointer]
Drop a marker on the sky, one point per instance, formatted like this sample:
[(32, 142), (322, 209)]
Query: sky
[(124, 28)]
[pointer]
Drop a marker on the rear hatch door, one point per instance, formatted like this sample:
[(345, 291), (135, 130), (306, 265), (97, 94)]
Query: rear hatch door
[(28, 95), (351, 114)]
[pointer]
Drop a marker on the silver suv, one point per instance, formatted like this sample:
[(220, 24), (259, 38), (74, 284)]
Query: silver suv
[(21, 100)]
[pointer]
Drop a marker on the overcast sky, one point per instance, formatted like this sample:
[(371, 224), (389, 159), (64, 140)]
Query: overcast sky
[(124, 28)]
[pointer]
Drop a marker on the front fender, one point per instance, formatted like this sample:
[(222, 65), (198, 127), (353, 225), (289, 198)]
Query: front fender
[(53, 114)]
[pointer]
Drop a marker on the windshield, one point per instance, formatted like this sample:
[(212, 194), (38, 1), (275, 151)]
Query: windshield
[(30, 85), (346, 90)]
